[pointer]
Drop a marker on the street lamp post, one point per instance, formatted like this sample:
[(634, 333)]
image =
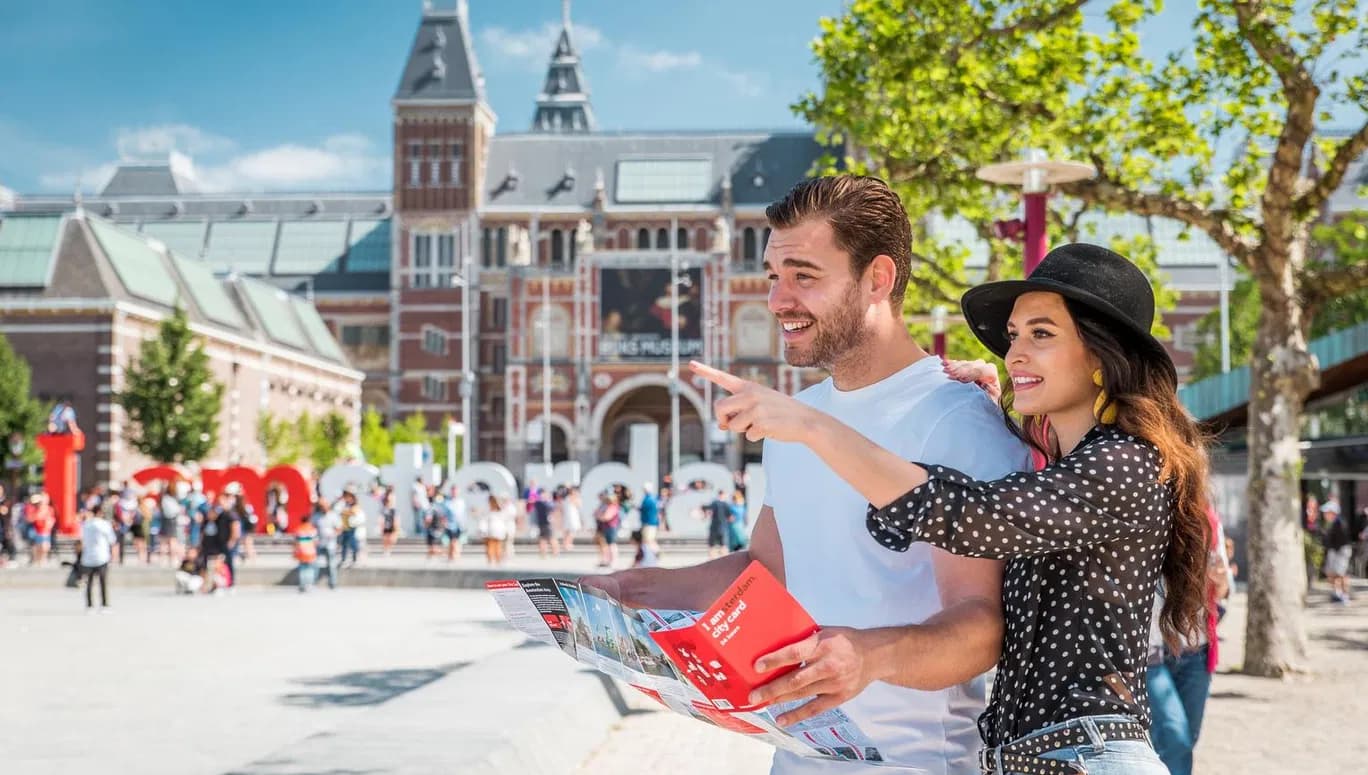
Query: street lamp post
[(546, 366), (468, 286), (674, 347), (938, 331), (1035, 174)]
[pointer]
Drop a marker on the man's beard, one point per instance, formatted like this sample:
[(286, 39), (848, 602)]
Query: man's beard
[(836, 337)]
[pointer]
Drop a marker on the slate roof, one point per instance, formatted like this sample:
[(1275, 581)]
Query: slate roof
[(760, 166), (441, 63), (95, 258), (155, 179)]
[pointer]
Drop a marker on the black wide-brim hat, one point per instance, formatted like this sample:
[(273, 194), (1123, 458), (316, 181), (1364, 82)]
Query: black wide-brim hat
[(1105, 282)]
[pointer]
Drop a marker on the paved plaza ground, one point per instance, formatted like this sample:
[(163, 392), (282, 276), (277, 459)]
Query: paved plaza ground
[(235, 684)]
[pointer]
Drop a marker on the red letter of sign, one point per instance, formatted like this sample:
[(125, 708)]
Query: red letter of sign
[(296, 488), (59, 475), (253, 488), (162, 473)]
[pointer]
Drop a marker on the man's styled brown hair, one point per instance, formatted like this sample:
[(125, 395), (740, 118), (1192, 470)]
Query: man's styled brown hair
[(866, 217)]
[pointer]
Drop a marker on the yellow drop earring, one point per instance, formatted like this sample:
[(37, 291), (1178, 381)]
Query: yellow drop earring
[(1103, 409)]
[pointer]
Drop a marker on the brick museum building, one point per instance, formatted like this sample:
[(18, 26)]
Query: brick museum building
[(512, 275)]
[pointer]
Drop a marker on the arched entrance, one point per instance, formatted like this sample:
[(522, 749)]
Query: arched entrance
[(560, 440), (650, 403)]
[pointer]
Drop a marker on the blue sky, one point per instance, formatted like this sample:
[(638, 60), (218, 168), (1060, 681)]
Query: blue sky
[(294, 94)]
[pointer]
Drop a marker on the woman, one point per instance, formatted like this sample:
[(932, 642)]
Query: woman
[(607, 518), (389, 524), (571, 521), (142, 527), (1085, 539), (495, 527), (42, 520)]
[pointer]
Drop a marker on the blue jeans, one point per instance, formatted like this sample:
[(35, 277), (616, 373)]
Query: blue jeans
[(307, 572), (349, 542), (1117, 757), (1178, 689), (327, 555)]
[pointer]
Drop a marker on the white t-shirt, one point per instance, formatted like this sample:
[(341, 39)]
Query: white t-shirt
[(97, 540), (843, 577)]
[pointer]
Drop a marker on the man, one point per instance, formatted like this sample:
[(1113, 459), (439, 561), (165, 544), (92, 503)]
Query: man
[(838, 262), (8, 540), (97, 549), (719, 516), (219, 536), (62, 418), (650, 518), (329, 525)]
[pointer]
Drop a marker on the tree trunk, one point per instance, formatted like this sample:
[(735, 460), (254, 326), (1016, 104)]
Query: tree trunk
[(1283, 374)]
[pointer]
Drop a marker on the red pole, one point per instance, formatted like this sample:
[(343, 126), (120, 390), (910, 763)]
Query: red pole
[(1037, 236)]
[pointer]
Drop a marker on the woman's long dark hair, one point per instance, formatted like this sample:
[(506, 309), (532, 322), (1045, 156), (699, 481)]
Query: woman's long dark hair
[(1145, 392)]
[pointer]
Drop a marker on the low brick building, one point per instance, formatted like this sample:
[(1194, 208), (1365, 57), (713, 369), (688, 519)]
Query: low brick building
[(78, 295)]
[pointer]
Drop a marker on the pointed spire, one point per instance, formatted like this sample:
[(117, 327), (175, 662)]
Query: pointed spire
[(563, 105)]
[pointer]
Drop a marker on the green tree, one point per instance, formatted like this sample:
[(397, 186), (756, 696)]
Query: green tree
[(170, 395), (330, 436), (1225, 135), (277, 438), (1245, 308), (20, 413), (376, 444)]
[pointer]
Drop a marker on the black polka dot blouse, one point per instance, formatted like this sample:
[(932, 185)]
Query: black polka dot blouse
[(1084, 540)]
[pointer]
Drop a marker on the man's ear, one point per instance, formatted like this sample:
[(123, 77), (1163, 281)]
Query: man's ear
[(879, 276)]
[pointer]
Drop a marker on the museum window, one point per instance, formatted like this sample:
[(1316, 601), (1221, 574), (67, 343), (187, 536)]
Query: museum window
[(434, 341)]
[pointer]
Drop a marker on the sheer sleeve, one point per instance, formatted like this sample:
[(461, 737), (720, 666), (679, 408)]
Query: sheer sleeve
[(1101, 492)]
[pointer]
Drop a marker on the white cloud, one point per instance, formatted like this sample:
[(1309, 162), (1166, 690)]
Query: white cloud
[(658, 61), (532, 47), (743, 83), (87, 179), (7, 197), (158, 141), (339, 161), (348, 161)]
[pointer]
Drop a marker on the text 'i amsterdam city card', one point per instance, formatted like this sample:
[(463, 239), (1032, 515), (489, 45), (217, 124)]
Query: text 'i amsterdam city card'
[(717, 652)]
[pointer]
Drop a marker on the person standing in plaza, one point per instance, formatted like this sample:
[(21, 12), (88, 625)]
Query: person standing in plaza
[(306, 552), (434, 530), (97, 547), (451, 524), (571, 518), (1179, 683), (219, 538), (456, 511), (495, 525), (737, 537), (41, 523), (353, 518), (838, 263), (541, 520), (1337, 537), (329, 525), (649, 510), (608, 518), (9, 544), (719, 517), (389, 523)]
